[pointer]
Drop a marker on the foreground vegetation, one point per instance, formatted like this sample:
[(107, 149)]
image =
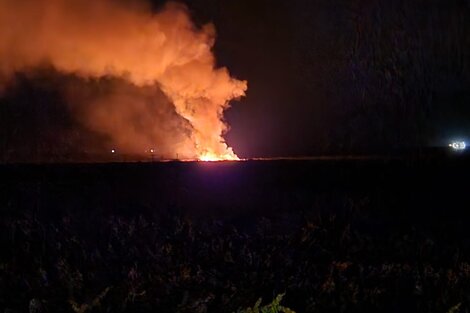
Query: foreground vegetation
[(165, 262)]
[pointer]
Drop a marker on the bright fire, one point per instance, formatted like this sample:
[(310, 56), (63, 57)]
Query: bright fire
[(212, 157)]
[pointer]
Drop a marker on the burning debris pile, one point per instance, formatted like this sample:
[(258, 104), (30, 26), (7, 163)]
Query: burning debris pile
[(174, 95)]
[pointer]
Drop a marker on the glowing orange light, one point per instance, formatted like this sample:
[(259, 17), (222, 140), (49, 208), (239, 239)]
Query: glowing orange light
[(213, 157)]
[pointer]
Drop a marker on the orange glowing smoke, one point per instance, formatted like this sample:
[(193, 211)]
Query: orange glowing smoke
[(160, 51)]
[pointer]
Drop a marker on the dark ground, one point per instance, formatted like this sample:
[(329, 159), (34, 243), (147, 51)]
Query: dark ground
[(335, 235)]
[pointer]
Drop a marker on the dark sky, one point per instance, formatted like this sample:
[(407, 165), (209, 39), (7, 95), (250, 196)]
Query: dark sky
[(337, 76), (334, 75)]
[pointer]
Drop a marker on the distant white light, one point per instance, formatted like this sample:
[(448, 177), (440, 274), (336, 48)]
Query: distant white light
[(113, 151), (152, 151), (458, 145)]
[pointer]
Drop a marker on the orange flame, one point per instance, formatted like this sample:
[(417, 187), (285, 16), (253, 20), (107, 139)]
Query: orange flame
[(213, 157)]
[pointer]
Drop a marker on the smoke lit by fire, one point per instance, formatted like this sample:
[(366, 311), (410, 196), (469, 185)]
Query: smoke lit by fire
[(175, 96)]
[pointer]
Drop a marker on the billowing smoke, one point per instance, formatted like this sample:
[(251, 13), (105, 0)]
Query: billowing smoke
[(167, 94), (137, 119)]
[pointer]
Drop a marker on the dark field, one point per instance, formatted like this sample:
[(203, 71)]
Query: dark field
[(334, 235)]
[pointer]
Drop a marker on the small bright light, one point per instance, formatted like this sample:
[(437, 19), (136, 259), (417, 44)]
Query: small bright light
[(458, 145), (113, 151), (152, 151)]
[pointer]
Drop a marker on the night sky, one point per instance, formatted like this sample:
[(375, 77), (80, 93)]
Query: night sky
[(324, 76)]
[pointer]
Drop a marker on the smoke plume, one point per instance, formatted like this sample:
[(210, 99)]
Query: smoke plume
[(173, 96)]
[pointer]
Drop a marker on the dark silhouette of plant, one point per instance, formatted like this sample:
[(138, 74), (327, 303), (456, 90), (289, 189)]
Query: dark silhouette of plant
[(273, 307)]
